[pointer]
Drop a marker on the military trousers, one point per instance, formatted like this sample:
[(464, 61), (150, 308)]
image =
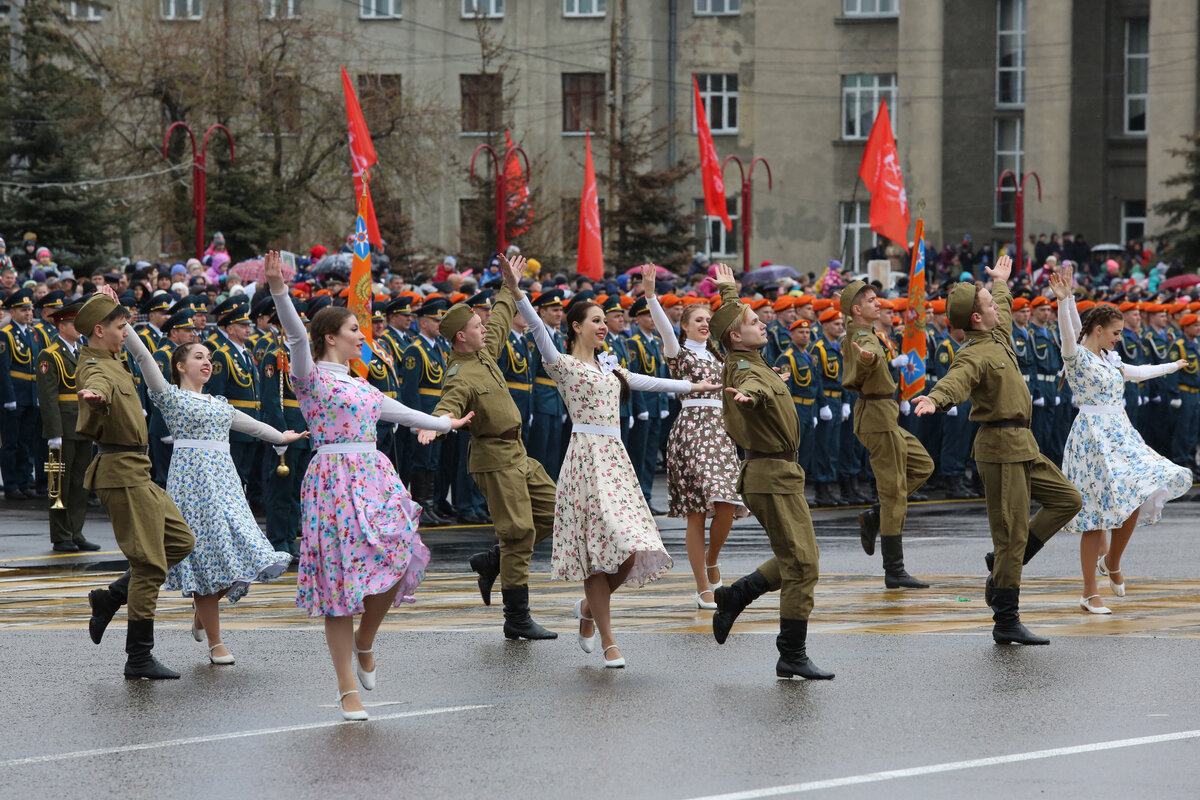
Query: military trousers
[(281, 496), (67, 525), (958, 434), (521, 502), (643, 452), (468, 498), (1008, 489), (545, 442), (247, 459), (153, 536), (1187, 429), (808, 438), (796, 566), (900, 465), (826, 444), (22, 429)]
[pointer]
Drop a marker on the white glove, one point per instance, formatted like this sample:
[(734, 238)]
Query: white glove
[(55, 443), (631, 423), (825, 414), (1041, 401), (664, 413), (905, 407), (167, 440), (845, 411), (1075, 402), (145, 413), (1057, 401), (814, 422), (279, 449), (1156, 399), (643, 416), (900, 360), (564, 419), (1142, 400), (10, 406), (1176, 403), (953, 412)]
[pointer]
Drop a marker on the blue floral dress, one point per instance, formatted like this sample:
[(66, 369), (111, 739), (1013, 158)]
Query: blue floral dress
[(231, 550), (1106, 458)]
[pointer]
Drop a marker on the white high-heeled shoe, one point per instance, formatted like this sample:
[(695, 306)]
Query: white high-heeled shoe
[(717, 567), (367, 679), (1091, 609), (1118, 588), (197, 631), (225, 659), (588, 644), (702, 603), (616, 663), (352, 716)]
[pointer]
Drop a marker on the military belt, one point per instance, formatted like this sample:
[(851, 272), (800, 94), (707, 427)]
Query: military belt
[(1006, 423), (508, 436), (390, 394), (291, 403), (68, 398), (430, 392), (1189, 389), (110, 449), (833, 394), (803, 401), (521, 387), (784, 455), (1042, 377), (544, 381), (25, 376), (245, 403)]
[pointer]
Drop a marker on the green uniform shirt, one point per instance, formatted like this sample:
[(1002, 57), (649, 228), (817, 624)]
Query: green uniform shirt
[(118, 421), (986, 370), (475, 382), (874, 377), (56, 391)]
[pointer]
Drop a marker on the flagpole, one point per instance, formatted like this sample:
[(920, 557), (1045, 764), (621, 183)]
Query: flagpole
[(853, 208)]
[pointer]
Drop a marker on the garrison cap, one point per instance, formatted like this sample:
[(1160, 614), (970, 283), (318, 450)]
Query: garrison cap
[(548, 299), (434, 308), (180, 321), (723, 317), (455, 319), (961, 303), (19, 299), (848, 295), (93, 312)]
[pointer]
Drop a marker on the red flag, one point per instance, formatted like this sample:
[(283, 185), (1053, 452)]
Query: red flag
[(710, 168), (520, 206), (362, 154), (591, 251), (880, 172)]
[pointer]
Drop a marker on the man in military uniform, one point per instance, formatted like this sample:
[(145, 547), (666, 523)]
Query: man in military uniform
[(1187, 394), (614, 342), (761, 419), (23, 445), (649, 409), (929, 429), (263, 337), (421, 379), (396, 335), (235, 377), (804, 385), (1157, 341), (281, 409), (515, 363), (827, 355), (149, 528), (179, 329), (1130, 350), (56, 366), (1047, 363), (157, 309), (958, 431), (383, 373), (1013, 470), (44, 308), (520, 495), (779, 331), (220, 337), (545, 432), (898, 460)]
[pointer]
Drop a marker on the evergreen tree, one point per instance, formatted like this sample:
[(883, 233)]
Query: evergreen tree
[(1183, 213)]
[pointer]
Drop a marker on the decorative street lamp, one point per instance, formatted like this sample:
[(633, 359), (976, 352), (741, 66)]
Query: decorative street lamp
[(199, 174), (1019, 208), (747, 178), (498, 164)]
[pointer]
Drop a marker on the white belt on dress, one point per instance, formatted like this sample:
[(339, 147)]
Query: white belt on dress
[(1102, 409), (346, 447), (694, 402), (599, 430), (203, 444)]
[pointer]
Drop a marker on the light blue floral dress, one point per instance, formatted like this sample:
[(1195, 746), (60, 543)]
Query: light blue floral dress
[(1106, 458), (231, 550)]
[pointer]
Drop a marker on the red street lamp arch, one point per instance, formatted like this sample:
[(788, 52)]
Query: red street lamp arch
[(1019, 208), (498, 165), (747, 179), (199, 173)]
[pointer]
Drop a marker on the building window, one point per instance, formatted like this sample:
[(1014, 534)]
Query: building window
[(281, 9), (583, 101), (860, 103), (379, 9), (1010, 154), (483, 8), (718, 242), (1137, 67), (856, 233), (716, 8), (1133, 221), (379, 96), (481, 102), (719, 94), (182, 9), (83, 12), (584, 8), (1010, 53), (870, 8)]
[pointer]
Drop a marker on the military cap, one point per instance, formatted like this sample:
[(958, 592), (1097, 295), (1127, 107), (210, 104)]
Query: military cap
[(51, 300), (668, 300), (961, 304), (848, 295), (159, 301), (234, 316), (724, 315), (378, 312), (784, 303), (1153, 308), (234, 301), (586, 296), (435, 308), (481, 299), (1020, 303), (19, 299), (639, 307), (400, 305), (1175, 308), (627, 301), (803, 300), (770, 287), (822, 303), (1194, 306), (1188, 319), (180, 321), (129, 301), (97, 307), (1038, 301), (113, 277), (1127, 306), (898, 303), (885, 303), (455, 320), (317, 303), (897, 321), (458, 297), (759, 303), (939, 306), (612, 303), (800, 323), (1084, 305), (548, 299), (264, 308), (830, 314), (69, 311)]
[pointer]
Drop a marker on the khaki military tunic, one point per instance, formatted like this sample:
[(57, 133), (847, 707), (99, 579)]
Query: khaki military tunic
[(519, 493), (59, 404)]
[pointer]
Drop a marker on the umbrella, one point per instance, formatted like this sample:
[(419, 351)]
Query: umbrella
[(1180, 281), (1106, 248), (770, 274), (334, 264), (251, 271), (664, 274)]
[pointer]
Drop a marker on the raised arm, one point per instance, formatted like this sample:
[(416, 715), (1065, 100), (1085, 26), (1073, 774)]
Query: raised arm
[(646, 383), (289, 320), (1069, 325), (670, 343), (541, 334), (244, 423), (505, 308), (155, 381), (401, 414), (1146, 372)]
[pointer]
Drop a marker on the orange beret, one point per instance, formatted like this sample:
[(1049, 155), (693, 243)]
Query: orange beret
[(897, 321), (804, 300), (939, 306), (1194, 306), (1189, 319), (1084, 305), (715, 301), (1128, 306), (1153, 308), (821, 303), (1175, 308), (800, 323), (1020, 303), (435, 295), (626, 301), (759, 303), (1054, 303), (830, 313), (784, 303), (885, 303), (668, 300), (458, 297), (1038, 301), (900, 304)]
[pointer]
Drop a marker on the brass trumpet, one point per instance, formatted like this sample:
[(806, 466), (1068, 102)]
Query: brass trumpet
[(55, 469)]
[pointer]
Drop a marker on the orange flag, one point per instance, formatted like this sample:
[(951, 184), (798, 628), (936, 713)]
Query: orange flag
[(710, 167), (591, 250), (880, 172), (360, 296), (362, 154)]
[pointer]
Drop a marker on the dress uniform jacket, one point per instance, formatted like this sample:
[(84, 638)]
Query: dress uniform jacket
[(1187, 390), (59, 404), (281, 410), (384, 376), (235, 377), (1131, 352), (421, 377), (804, 385), (22, 444), (827, 357), (778, 340), (514, 362), (1157, 425), (546, 431), (958, 432), (646, 358), (616, 345), (160, 451)]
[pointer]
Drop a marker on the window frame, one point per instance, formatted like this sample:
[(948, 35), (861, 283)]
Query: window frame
[(1020, 8), (1127, 219), (705, 81), (271, 8), (1018, 166), (707, 11), (598, 100), (196, 10), (716, 229), (891, 93), (93, 11), (846, 227), (568, 13), (489, 9), (857, 12), (365, 13), (479, 113), (1143, 96)]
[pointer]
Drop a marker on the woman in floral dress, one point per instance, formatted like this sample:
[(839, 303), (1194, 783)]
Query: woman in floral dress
[(604, 534), (702, 461), (1123, 482), (360, 552), (231, 551)]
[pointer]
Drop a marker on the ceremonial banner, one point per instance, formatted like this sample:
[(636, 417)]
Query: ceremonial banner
[(362, 156), (360, 297), (519, 203), (590, 261), (880, 172), (710, 168), (914, 344)]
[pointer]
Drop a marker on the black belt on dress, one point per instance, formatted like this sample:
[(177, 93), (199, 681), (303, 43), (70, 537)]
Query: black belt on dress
[(878, 396), (785, 455), (1006, 423), (509, 436), (109, 449)]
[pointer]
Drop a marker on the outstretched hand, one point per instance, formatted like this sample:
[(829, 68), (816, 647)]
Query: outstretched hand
[(649, 276), (1062, 281), (458, 422), (864, 354), (291, 436), (1002, 270), (923, 406), (723, 273), (90, 397), (705, 386), (738, 396), (512, 272), (273, 271)]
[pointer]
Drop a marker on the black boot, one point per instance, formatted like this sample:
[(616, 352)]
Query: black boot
[(104, 603), (1008, 628), (988, 587), (894, 574), (868, 528), (793, 658), (865, 487), (487, 564), (824, 499), (517, 622), (422, 491), (732, 600), (1032, 546), (956, 489), (849, 496), (141, 663)]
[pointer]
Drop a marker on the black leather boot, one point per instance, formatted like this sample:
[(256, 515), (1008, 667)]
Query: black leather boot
[(824, 499), (849, 495), (988, 587), (487, 564), (141, 663), (894, 574), (956, 489), (1005, 613), (105, 603), (793, 657), (732, 600), (868, 528), (865, 487), (422, 492), (517, 622), (1032, 546)]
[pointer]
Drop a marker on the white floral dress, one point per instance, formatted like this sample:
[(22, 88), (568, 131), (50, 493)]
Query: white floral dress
[(1106, 458)]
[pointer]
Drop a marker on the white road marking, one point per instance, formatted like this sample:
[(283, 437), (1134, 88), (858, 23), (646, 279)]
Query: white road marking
[(950, 766), (220, 737)]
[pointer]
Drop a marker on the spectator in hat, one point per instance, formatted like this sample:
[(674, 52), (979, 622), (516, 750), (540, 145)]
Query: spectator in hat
[(5, 259), (26, 257)]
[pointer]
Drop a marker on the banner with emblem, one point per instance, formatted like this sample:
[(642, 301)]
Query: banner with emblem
[(914, 344), (360, 297)]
